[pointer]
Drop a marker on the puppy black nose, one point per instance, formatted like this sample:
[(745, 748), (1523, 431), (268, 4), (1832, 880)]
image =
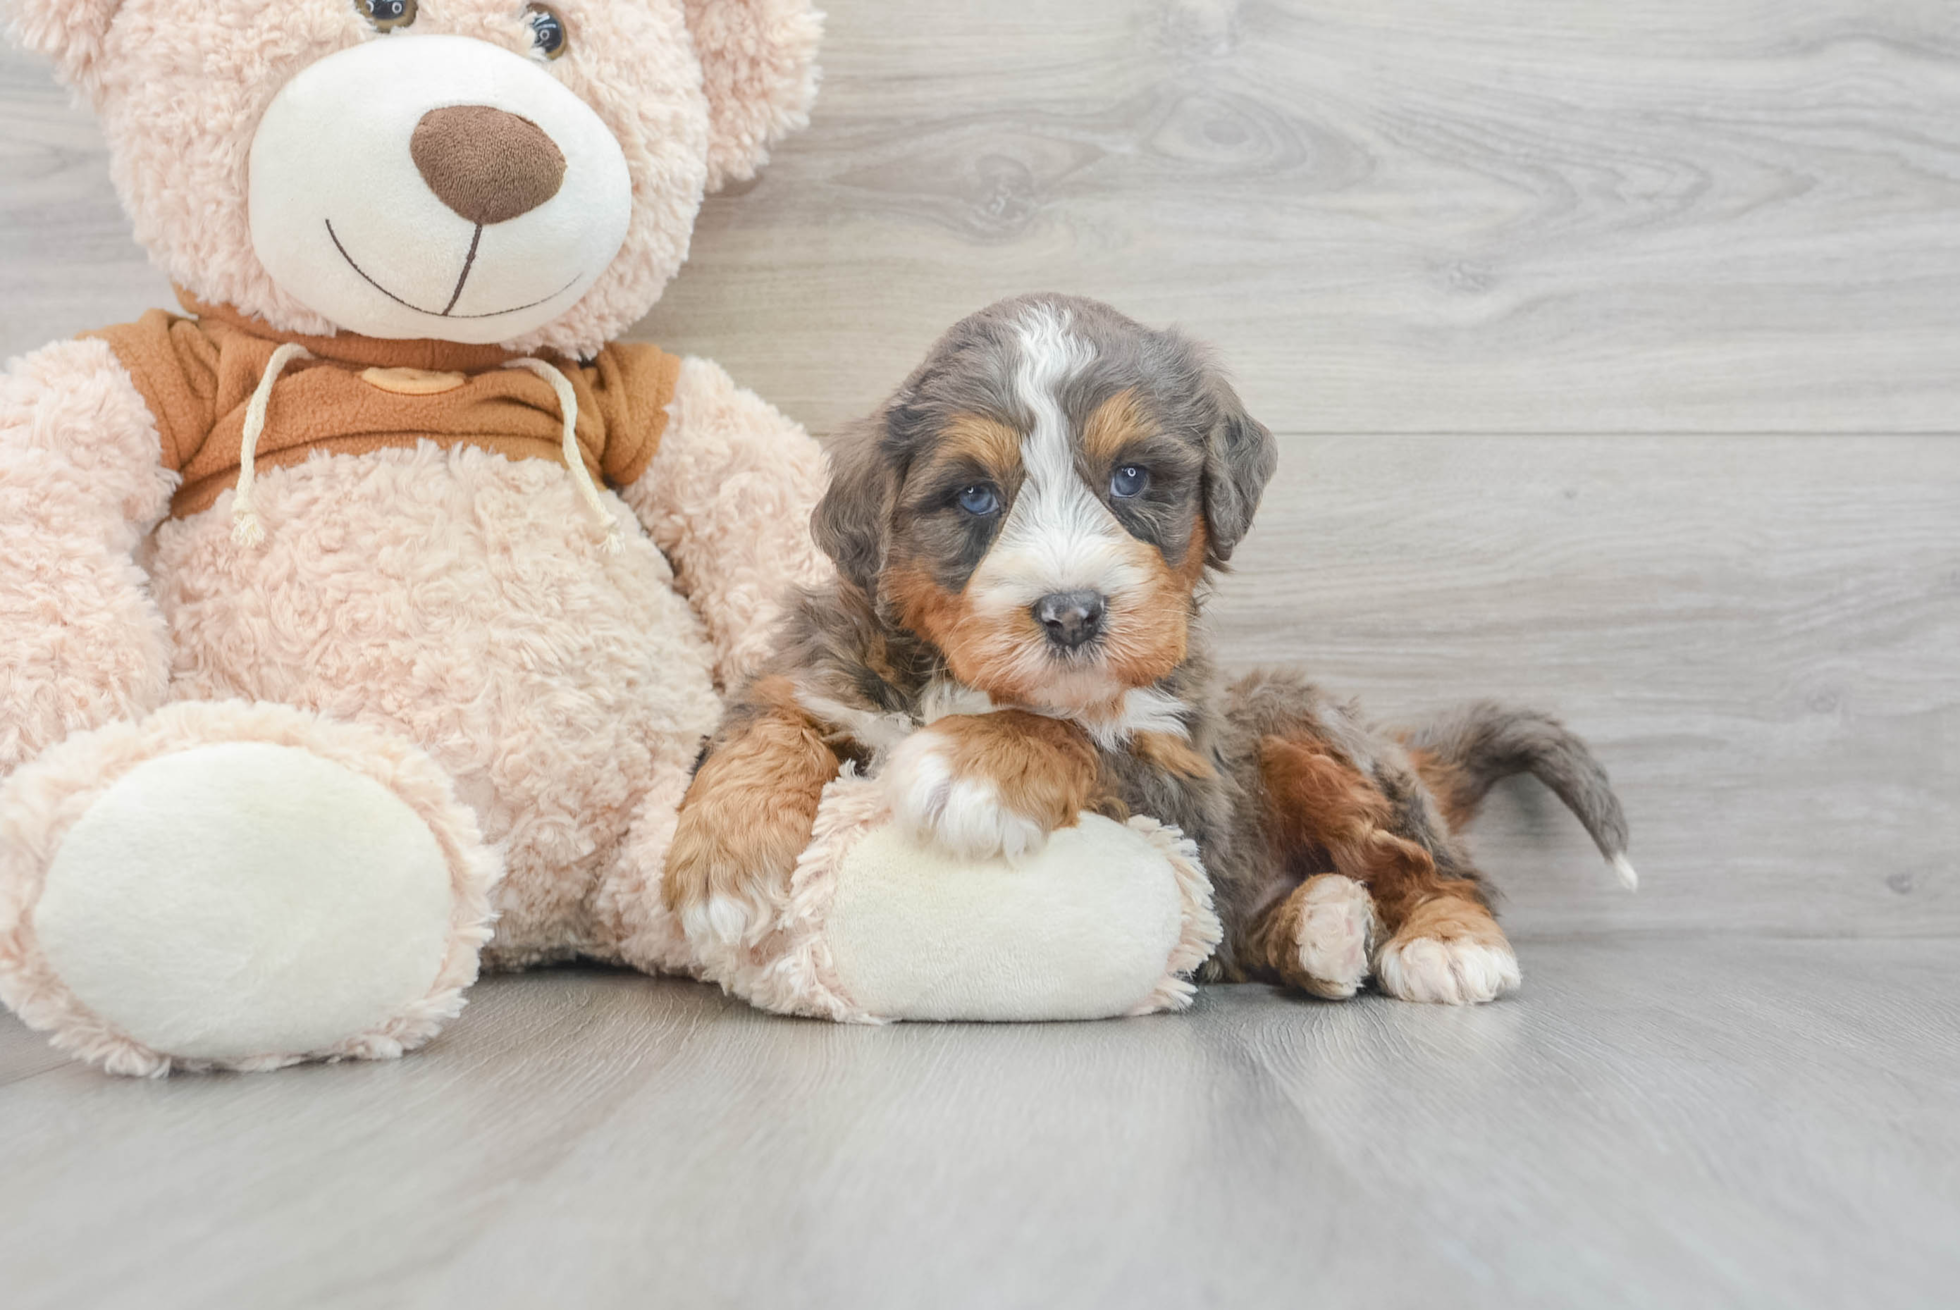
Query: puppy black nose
[(1070, 617)]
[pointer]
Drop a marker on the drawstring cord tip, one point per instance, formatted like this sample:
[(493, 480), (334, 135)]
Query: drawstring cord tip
[(246, 530)]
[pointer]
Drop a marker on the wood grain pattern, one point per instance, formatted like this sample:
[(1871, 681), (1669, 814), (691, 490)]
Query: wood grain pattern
[(1651, 1123), (1757, 635), (1410, 215)]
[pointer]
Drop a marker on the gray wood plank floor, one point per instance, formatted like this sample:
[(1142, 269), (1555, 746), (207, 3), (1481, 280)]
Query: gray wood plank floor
[(1612, 347), (1666, 1123)]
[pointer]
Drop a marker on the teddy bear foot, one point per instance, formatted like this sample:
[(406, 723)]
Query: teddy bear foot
[(237, 886)]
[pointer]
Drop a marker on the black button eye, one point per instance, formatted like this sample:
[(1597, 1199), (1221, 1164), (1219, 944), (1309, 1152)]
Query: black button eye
[(1129, 481), (547, 31), (387, 15), (979, 500)]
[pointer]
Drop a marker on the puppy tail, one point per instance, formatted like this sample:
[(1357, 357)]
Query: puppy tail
[(1464, 752)]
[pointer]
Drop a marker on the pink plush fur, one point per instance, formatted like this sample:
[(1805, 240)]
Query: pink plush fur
[(460, 598), (759, 71), (730, 503), (79, 485), (179, 95), (40, 803), (440, 619)]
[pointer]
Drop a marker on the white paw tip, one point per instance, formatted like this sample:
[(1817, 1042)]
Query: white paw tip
[(721, 919), (1454, 972), (963, 816), (1629, 877)]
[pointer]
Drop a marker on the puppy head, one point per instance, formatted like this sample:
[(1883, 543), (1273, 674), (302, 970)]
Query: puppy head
[(1043, 497)]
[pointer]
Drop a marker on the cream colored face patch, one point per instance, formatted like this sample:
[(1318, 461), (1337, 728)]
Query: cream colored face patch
[(344, 215)]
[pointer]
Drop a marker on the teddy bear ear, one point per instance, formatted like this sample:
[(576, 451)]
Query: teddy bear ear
[(759, 69), (70, 32)]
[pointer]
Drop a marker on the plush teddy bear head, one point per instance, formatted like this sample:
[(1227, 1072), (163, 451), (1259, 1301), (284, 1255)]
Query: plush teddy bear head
[(483, 171)]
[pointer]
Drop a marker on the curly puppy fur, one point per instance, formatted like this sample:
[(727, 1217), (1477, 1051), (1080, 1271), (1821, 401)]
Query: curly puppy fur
[(1023, 537)]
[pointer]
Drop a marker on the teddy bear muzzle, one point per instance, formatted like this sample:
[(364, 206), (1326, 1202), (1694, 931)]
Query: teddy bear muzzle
[(435, 186)]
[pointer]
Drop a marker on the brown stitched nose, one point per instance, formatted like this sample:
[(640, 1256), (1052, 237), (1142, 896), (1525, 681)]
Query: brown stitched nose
[(487, 165)]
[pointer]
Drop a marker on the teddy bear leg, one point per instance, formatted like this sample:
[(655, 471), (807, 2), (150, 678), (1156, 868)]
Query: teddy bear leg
[(233, 885), (632, 921)]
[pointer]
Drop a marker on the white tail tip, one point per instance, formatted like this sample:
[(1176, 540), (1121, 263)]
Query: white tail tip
[(1628, 877)]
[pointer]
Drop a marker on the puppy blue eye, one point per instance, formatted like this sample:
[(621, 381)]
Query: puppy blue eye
[(979, 500), (1128, 481)]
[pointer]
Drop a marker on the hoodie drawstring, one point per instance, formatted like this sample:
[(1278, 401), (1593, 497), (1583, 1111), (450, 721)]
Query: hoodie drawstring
[(248, 531), (574, 457)]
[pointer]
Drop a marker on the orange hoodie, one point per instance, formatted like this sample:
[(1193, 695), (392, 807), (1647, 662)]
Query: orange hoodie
[(360, 394)]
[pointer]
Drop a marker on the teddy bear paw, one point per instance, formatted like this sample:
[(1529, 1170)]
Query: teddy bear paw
[(238, 903)]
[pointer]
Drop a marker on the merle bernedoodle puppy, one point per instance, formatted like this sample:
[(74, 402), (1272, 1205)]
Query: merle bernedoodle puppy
[(1023, 536)]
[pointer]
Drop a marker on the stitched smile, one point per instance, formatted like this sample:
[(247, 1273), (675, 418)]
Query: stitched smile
[(468, 263)]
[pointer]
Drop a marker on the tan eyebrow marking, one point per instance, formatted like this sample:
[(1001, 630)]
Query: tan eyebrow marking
[(985, 441), (1116, 424)]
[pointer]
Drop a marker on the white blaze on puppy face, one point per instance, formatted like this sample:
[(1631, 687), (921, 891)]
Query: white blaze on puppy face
[(1058, 535)]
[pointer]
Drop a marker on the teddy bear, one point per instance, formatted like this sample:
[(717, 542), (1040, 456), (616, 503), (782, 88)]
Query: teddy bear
[(362, 619)]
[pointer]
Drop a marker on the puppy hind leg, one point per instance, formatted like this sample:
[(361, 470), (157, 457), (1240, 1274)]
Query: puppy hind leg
[(1437, 940)]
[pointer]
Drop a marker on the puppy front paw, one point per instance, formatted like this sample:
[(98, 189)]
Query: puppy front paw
[(981, 785), (721, 896), (959, 810)]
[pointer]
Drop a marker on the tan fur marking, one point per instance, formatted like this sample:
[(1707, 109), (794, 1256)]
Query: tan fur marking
[(1450, 917), (1147, 633), (986, 654), (1319, 802), (1116, 425), (987, 442), (749, 812), (1172, 754), (1448, 785), (1192, 569), (1043, 768)]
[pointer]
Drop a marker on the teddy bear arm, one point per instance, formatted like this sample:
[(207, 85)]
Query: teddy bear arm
[(82, 481), (728, 496)]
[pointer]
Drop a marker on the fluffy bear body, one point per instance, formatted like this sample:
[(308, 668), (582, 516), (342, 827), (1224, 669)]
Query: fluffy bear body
[(361, 624)]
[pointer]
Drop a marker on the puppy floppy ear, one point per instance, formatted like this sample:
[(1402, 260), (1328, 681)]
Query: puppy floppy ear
[(853, 520), (759, 70), (1240, 456), (70, 32)]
